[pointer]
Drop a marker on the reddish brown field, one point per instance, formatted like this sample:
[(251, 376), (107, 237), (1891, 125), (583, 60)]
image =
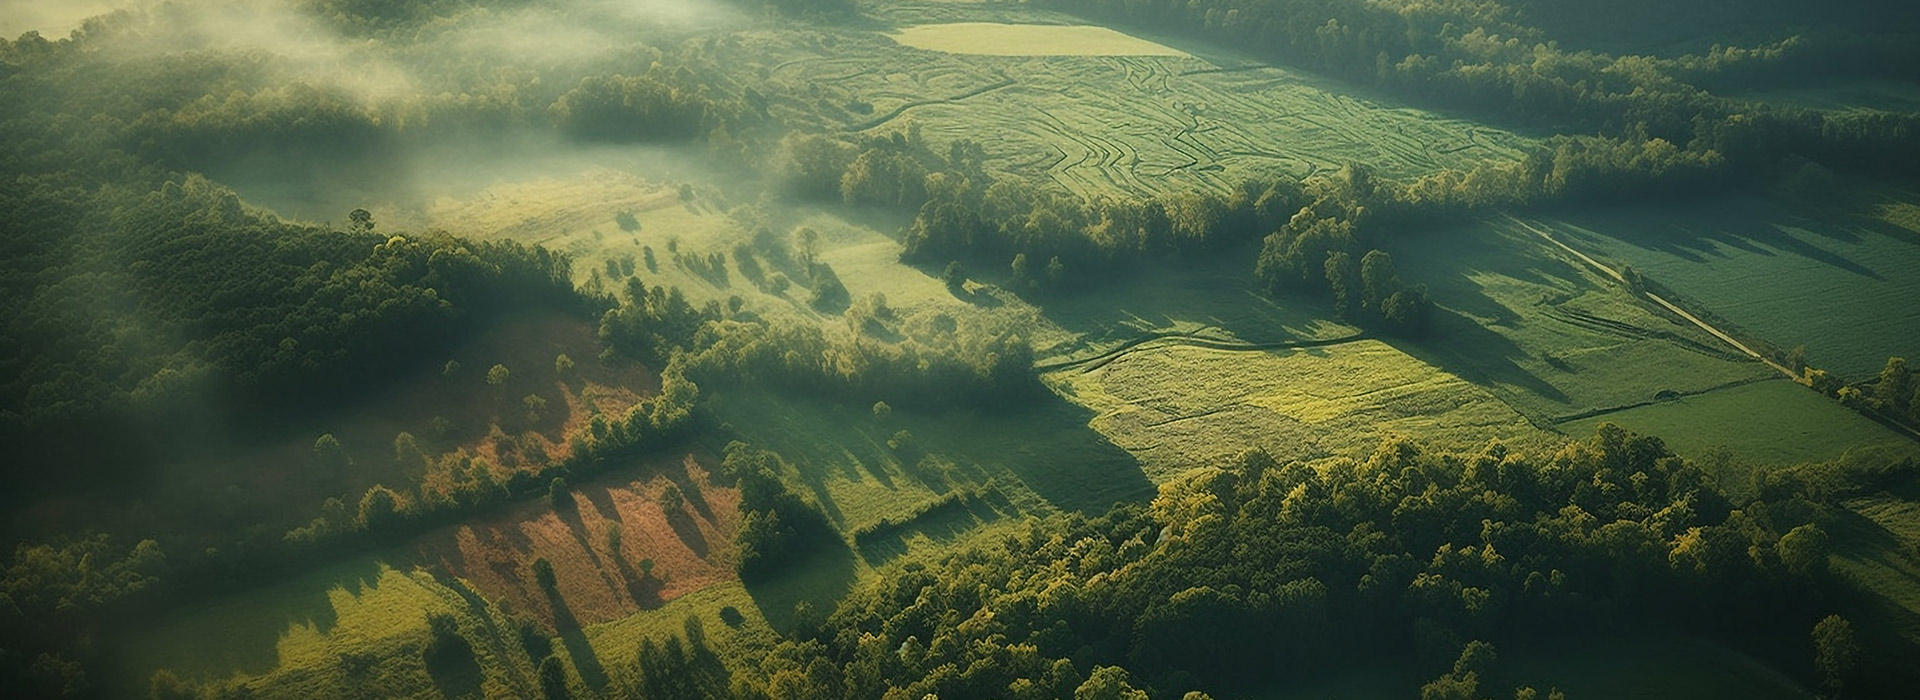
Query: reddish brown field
[(689, 547), (283, 486)]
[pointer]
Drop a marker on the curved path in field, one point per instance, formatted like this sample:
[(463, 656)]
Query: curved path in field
[(1174, 338), (895, 113)]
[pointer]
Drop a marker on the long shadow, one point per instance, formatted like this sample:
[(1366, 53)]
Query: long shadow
[(1477, 354), (478, 606), (820, 580), (455, 673), (688, 531), (1694, 232), (643, 589), (695, 495), (941, 527), (575, 640), (569, 515)]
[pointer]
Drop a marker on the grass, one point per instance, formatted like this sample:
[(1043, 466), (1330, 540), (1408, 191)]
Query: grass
[(1550, 336), (997, 39), (1773, 422), (1837, 279), (1101, 124), (1177, 407)]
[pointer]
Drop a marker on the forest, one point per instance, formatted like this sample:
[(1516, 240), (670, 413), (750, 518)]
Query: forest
[(718, 349)]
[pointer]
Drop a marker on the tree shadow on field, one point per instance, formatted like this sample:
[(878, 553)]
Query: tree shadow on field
[(456, 684), (819, 579), (642, 588), (585, 662), (688, 531), (1463, 347), (1696, 233)]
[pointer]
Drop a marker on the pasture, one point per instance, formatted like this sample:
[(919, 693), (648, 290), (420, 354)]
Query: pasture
[(1773, 422), (1549, 335), (1837, 278)]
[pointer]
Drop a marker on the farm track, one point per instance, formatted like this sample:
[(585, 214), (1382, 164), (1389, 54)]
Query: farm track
[(1664, 398), (1657, 299), (1178, 339), (1611, 327), (895, 113)]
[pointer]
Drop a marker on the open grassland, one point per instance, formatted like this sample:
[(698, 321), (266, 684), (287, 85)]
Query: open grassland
[(1772, 422), (997, 39), (1102, 124), (1547, 334), (1178, 407), (1837, 279)]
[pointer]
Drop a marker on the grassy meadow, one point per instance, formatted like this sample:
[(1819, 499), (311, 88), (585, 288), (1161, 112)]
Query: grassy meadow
[(1831, 277)]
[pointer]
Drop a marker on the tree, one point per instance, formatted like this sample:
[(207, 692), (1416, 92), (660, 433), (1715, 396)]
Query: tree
[(1895, 387), (451, 368), (1344, 278), (498, 375), (1378, 279), (1835, 652), (360, 221), (1021, 275), (559, 497), (881, 410), (1056, 273), (1803, 550), (954, 277), (809, 243), (1108, 683), (671, 499), (378, 507), (330, 454), (562, 365), (536, 407)]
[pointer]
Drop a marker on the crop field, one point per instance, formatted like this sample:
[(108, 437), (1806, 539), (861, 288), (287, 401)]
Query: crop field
[(1772, 422), (1181, 406), (1838, 281), (1104, 123)]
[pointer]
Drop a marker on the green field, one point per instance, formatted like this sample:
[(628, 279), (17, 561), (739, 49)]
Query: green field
[(1839, 281), (1101, 123), (1178, 406), (1551, 336), (1773, 422)]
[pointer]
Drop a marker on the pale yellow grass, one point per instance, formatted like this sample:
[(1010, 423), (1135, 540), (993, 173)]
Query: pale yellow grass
[(996, 39)]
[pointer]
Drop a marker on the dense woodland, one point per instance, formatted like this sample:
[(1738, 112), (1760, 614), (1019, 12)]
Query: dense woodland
[(143, 307)]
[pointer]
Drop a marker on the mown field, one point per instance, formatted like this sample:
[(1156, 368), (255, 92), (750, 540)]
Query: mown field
[(1833, 275), (1773, 422), (1549, 335)]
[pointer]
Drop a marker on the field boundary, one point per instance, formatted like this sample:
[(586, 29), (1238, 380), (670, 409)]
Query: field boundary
[(1663, 397), (1178, 338)]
